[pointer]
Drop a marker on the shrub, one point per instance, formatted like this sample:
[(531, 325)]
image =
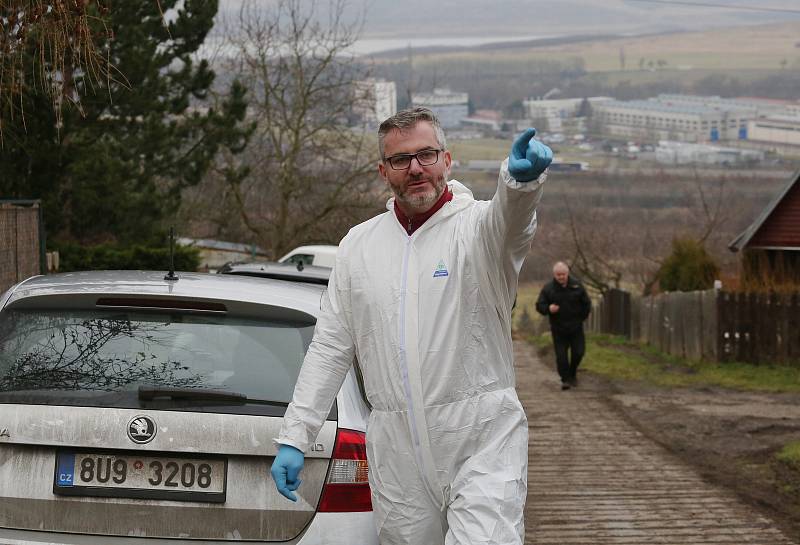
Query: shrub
[(75, 257), (790, 454), (688, 268)]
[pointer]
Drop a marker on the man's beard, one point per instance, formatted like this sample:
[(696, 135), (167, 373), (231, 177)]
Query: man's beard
[(423, 202)]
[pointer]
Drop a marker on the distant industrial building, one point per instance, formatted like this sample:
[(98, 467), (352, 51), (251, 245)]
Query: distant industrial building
[(682, 153), (678, 117), (450, 107), (780, 131), (376, 100), (562, 108), (480, 124), (485, 121), (763, 106)]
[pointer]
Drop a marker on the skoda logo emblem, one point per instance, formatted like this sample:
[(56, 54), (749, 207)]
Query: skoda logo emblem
[(142, 429)]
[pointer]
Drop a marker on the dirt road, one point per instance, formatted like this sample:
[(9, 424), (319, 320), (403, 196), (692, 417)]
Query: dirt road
[(595, 479)]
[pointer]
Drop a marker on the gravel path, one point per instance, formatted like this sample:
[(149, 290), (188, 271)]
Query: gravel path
[(594, 479)]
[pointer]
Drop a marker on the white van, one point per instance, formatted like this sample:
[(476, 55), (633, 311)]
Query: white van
[(320, 255)]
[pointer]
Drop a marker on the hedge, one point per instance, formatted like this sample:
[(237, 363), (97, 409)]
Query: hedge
[(75, 257)]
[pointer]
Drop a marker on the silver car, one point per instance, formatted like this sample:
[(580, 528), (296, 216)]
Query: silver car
[(138, 410)]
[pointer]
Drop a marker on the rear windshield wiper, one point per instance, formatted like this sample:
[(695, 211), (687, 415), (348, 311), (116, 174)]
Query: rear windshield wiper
[(150, 393)]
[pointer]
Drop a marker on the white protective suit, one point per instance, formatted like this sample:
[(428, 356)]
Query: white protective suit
[(429, 318)]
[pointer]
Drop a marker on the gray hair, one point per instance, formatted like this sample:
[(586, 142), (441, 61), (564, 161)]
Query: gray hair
[(406, 119), (561, 265)]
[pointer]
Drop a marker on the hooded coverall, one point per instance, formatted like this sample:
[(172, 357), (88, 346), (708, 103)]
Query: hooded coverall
[(429, 318)]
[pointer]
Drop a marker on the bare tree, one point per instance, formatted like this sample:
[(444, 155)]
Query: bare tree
[(714, 204), (593, 252), (623, 246), (308, 172)]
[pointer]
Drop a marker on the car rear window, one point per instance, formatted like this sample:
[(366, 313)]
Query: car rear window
[(103, 357)]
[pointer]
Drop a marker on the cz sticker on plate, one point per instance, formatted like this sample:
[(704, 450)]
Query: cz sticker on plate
[(127, 475)]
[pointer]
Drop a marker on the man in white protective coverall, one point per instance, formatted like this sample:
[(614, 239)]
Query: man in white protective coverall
[(422, 295)]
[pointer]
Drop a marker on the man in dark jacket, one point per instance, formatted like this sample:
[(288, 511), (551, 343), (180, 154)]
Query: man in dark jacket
[(566, 303)]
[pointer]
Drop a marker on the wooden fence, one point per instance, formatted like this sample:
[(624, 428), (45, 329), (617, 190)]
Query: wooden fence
[(709, 325), (759, 328), (612, 314), (21, 242), (682, 324)]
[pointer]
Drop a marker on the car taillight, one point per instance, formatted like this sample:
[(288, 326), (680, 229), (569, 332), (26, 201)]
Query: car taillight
[(347, 486)]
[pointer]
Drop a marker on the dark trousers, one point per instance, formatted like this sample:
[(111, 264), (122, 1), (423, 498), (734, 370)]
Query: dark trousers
[(569, 349)]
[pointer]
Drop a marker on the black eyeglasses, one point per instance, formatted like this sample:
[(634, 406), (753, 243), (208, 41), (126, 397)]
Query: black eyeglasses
[(425, 158)]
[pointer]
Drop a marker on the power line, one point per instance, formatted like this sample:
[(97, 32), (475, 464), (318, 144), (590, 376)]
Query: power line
[(712, 5)]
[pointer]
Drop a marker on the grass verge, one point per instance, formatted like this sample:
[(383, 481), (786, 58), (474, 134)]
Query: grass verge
[(790, 455), (618, 358)]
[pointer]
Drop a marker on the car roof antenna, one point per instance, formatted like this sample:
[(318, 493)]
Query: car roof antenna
[(171, 276)]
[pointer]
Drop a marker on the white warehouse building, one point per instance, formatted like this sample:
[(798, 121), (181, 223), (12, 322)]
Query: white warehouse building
[(677, 117), (681, 153), (780, 131), (536, 108), (450, 107), (377, 100)]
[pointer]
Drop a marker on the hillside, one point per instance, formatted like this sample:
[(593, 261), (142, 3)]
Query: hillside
[(758, 60)]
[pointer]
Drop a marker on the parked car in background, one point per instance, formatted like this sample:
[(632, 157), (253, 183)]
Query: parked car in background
[(318, 255), (135, 409), (296, 272)]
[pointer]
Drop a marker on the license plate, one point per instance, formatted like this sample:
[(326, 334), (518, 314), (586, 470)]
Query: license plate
[(128, 475)]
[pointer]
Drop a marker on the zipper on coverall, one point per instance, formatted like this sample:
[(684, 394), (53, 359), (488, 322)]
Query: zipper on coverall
[(425, 471)]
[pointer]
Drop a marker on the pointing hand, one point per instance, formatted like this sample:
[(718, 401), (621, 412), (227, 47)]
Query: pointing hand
[(528, 157), (286, 470)]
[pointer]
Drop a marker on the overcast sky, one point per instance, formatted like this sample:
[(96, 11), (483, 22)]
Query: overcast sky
[(472, 20)]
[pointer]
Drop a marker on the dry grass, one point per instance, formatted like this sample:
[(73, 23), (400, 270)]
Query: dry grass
[(480, 148)]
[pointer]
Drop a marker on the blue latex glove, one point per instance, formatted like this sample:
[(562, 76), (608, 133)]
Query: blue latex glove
[(528, 157), (286, 470)]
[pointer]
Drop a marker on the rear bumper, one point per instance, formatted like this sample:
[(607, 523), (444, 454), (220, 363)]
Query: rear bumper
[(341, 529), (325, 529)]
